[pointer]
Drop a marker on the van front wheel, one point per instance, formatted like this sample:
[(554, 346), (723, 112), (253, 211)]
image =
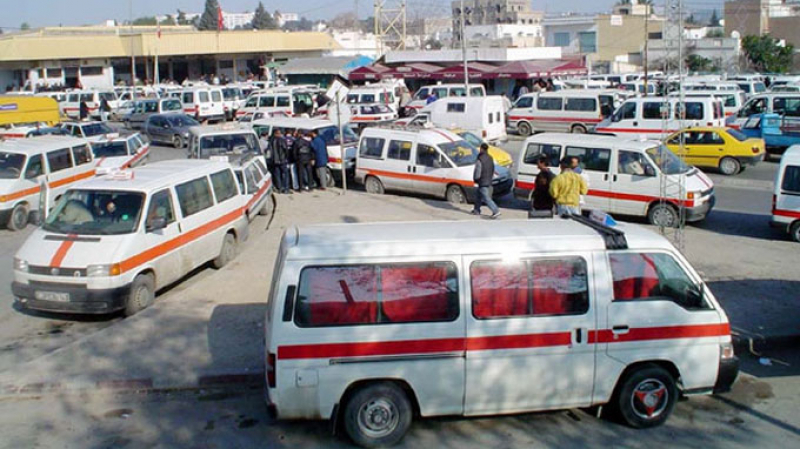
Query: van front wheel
[(646, 397), (663, 215), (374, 186), (578, 129), (455, 194), (142, 294), (377, 415), (524, 129), (18, 218)]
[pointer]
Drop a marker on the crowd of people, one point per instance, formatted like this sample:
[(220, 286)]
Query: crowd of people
[(297, 161)]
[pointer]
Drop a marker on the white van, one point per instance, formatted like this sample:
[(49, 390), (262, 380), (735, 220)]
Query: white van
[(383, 93), (119, 153), (26, 165), (429, 161), (255, 182), (485, 116), (113, 241), (329, 133), (786, 198), (625, 176), (279, 101), (420, 99), (732, 100), (786, 104), (221, 140), (203, 103), (576, 111), (70, 107), (374, 325), (658, 117)]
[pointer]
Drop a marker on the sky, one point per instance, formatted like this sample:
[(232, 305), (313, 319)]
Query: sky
[(39, 13)]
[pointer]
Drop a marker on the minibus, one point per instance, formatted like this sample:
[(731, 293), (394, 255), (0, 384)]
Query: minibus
[(657, 117), (576, 111), (786, 197)]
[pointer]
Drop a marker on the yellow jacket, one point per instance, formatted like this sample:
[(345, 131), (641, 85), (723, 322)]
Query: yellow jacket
[(567, 188)]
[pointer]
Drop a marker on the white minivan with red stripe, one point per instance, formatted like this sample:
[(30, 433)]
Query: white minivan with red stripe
[(575, 111), (119, 153), (786, 198), (113, 241), (204, 103), (373, 325), (658, 117), (625, 176)]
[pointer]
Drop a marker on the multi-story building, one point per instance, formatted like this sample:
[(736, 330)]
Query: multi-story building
[(778, 18), (575, 34), (494, 12)]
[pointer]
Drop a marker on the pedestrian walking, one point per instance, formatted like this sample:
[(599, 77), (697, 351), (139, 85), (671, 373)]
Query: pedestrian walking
[(83, 111), (567, 188), (280, 161), (105, 109), (303, 159), (483, 175), (542, 200), (320, 158)]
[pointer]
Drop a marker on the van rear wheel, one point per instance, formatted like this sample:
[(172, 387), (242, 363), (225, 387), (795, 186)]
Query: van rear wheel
[(227, 253), (729, 166), (578, 129), (374, 186), (18, 219), (524, 129), (329, 177), (377, 415), (794, 231), (663, 215), (646, 397), (141, 296)]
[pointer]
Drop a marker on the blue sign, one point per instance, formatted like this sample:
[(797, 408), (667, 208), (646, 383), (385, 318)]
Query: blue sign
[(8, 107)]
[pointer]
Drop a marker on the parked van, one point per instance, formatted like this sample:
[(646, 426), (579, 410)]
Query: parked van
[(92, 131), (203, 103), (325, 129), (430, 161), (145, 108), (484, 116), (420, 99), (363, 115), (732, 100), (119, 153), (70, 107), (280, 101), (625, 176), (113, 241), (383, 93), (657, 117), (786, 104), (375, 325), (575, 111), (750, 87), (786, 197), (27, 164), (233, 98), (255, 182), (221, 140), (20, 111)]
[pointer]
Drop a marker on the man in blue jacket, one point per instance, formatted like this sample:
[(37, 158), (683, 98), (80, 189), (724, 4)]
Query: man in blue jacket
[(320, 158)]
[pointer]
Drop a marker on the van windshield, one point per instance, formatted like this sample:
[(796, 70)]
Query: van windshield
[(239, 143), (667, 161), (11, 165), (461, 152), (330, 134), (171, 105), (96, 212), (110, 149)]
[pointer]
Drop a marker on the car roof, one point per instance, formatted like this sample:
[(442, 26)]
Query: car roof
[(40, 144), (507, 237), (592, 140), (156, 175)]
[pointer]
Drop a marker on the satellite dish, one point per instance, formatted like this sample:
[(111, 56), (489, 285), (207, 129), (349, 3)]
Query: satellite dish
[(736, 35)]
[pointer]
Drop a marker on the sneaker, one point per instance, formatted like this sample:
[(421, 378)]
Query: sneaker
[(495, 215), (475, 212)]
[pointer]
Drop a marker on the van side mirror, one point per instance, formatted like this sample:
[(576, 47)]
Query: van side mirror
[(649, 171), (695, 297), (156, 224)]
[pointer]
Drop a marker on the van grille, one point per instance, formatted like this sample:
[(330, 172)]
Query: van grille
[(57, 271)]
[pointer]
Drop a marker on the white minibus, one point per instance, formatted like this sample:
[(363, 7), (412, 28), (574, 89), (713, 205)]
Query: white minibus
[(658, 117), (203, 103), (786, 197), (484, 116), (420, 98), (576, 111)]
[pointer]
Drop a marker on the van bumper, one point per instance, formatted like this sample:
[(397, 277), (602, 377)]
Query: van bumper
[(700, 212), (81, 299), (726, 376)]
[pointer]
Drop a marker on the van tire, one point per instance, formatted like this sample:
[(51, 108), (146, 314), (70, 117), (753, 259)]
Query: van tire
[(663, 215), (141, 296), (18, 219), (377, 415), (374, 186), (524, 129), (329, 177), (455, 194), (729, 166), (578, 129), (794, 231), (227, 253), (645, 397), (177, 141)]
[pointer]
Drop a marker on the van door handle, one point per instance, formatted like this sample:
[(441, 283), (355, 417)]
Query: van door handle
[(620, 330), (605, 177), (615, 178), (578, 336), (635, 123)]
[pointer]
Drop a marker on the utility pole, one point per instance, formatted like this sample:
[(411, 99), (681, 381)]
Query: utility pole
[(646, 44), (133, 55), (390, 25), (464, 51)]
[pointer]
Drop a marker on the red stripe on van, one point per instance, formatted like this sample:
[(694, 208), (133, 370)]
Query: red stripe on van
[(786, 213), (376, 348), (519, 341), (259, 194), (416, 177), (62, 251), (616, 195), (660, 333), (555, 119)]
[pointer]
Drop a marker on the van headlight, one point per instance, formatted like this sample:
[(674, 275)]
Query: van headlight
[(94, 271), (20, 265)]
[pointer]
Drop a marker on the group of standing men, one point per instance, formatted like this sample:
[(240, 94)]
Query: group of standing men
[(296, 155), (562, 192)]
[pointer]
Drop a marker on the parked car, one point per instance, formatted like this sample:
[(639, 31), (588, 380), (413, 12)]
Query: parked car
[(500, 156), (171, 129), (779, 132), (145, 108), (724, 148)]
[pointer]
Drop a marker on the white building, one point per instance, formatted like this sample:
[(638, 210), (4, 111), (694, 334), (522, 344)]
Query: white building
[(505, 35), (569, 32), (355, 43), (233, 20), (286, 17)]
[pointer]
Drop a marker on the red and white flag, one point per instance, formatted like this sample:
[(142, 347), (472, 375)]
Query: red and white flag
[(219, 18)]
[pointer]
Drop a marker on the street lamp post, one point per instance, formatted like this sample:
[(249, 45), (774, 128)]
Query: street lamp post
[(464, 51)]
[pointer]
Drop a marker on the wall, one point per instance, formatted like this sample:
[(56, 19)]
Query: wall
[(623, 39), (573, 29), (745, 17)]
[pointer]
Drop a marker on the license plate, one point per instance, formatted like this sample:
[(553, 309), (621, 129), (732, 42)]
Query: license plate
[(52, 296)]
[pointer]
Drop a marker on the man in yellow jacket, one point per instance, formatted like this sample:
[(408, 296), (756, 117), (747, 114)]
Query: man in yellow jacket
[(566, 190)]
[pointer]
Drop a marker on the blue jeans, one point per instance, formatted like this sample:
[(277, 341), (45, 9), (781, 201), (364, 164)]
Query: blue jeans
[(282, 181), (484, 196), (571, 210)]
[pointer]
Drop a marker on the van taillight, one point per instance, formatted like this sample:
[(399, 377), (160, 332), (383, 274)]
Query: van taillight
[(271, 370), (774, 202), (483, 133)]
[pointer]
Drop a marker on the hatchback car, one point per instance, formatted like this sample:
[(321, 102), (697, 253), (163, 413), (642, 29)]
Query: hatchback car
[(169, 128)]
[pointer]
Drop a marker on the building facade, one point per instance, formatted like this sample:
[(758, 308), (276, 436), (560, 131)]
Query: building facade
[(494, 12), (574, 34)]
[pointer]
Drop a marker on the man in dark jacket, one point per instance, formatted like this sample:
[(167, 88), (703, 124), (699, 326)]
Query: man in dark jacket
[(483, 175), (280, 160), (542, 200), (320, 158), (105, 109), (83, 111), (303, 159)]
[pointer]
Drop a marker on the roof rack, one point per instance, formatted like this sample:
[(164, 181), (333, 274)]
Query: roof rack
[(613, 238)]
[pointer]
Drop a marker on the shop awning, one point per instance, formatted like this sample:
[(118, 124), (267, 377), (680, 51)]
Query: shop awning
[(475, 70), (370, 73)]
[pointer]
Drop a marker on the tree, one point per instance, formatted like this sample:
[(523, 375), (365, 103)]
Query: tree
[(262, 20), (145, 21), (691, 20), (767, 54), (210, 18), (715, 34), (714, 21), (697, 63), (169, 21), (25, 26), (181, 19)]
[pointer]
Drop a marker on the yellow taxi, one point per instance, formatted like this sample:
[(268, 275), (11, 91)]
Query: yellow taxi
[(726, 149), (500, 156)]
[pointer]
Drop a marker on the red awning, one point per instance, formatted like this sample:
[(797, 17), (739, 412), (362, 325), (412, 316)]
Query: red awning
[(536, 69), (370, 72), (476, 70)]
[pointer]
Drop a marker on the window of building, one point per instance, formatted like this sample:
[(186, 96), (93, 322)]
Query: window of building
[(194, 196), (371, 147), (653, 276), (54, 73), (561, 39), (549, 104), (587, 41), (536, 287), (59, 160), (595, 159), (91, 71), (377, 294), (534, 150), (224, 185), (399, 150)]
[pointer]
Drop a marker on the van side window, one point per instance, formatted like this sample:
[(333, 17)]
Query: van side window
[(790, 184), (251, 103), (626, 112), (653, 276), (371, 147), (224, 185), (267, 102), (161, 207), (475, 92), (652, 110), (377, 294), (789, 107), (34, 168), (427, 155), (549, 104), (524, 102), (537, 287), (456, 107), (82, 154), (596, 159), (632, 163), (194, 196), (59, 160), (581, 104), (399, 150), (534, 150), (282, 102), (188, 97), (694, 111), (216, 96)]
